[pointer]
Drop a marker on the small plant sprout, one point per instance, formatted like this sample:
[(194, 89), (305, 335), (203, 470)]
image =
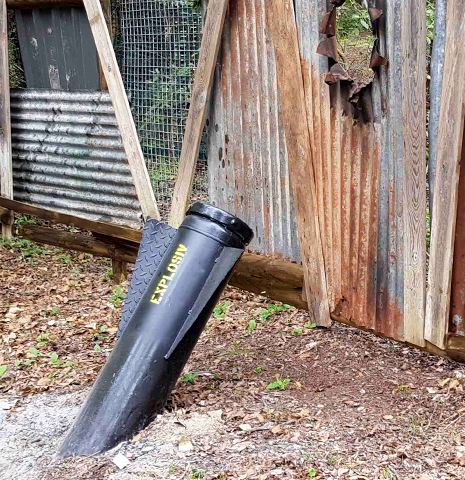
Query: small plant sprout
[(18, 363), (3, 369), (117, 296), (252, 326), (278, 384), (197, 474), (65, 259), (44, 339), (310, 325), (108, 274), (33, 351), (55, 311), (332, 459), (258, 370), (271, 310), (297, 332), (57, 363), (189, 378), (220, 310), (100, 333), (97, 348), (312, 473)]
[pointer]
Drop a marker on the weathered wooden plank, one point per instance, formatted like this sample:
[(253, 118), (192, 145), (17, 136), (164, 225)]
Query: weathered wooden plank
[(106, 8), (119, 271), (6, 166), (78, 241), (413, 46), (203, 81), (283, 33), (117, 231), (122, 109), (43, 3), (444, 212)]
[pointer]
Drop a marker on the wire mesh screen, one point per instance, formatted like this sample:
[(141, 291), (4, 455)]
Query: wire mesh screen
[(161, 40)]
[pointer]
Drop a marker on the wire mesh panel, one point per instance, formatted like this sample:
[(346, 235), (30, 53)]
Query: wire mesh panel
[(161, 44)]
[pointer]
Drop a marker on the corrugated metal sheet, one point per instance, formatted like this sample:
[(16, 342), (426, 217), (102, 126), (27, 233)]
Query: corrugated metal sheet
[(357, 154), (248, 168), (58, 49), (68, 156)]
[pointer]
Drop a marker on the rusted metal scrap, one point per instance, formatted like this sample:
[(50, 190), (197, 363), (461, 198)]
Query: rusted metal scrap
[(328, 48)]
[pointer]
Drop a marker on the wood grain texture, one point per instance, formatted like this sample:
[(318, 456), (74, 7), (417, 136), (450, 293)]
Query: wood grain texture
[(108, 229), (283, 34), (106, 8), (6, 166), (78, 241), (413, 47), (203, 81), (122, 109), (450, 144), (119, 271), (43, 3)]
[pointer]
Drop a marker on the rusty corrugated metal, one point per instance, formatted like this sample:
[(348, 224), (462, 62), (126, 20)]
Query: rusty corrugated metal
[(57, 49), (68, 156), (248, 168), (357, 158)]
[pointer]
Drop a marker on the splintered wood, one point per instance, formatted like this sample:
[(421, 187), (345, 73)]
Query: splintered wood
[(283, 33)]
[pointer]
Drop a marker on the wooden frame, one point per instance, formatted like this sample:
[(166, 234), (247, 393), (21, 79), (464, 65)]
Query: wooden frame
[(112, 80), (6, 166)]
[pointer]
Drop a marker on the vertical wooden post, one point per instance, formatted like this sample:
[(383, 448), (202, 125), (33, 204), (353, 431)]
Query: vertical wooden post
[(450, 144), (6, 167), (122, 109), (413, 18), (120, 271), (282, 29), (203, 82)]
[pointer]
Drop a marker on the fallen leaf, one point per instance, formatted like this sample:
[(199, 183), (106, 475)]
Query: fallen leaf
[(277, 430), (136, 438), (388, 417), (245, 427)]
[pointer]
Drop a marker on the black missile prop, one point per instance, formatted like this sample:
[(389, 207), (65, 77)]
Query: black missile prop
[(177, 281)]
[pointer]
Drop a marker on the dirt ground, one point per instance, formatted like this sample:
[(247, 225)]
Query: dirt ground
[(353, 406)]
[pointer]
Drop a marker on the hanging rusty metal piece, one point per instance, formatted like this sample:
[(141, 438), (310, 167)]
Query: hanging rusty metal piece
[(328, 48), (328, 24)]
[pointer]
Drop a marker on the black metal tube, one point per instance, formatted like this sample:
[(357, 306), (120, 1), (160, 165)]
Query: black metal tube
[(153, 349)]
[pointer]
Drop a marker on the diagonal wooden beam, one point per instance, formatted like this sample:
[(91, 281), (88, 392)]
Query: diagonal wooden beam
[(122, 109), (211, 39)]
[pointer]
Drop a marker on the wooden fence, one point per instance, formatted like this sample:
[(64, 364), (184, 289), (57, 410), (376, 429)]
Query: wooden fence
[(368, 153)]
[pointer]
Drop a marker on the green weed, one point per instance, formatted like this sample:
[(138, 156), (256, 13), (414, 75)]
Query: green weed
[(312, 473), (258, 370), (252, 326), (310, 325), (117, 296), (100, 333), (220, 310), (97, 348), (3, 369), (189, 378), (278, 384), (44, 339), (57, 363), (271, 310), (65, 259), (297, 332)]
